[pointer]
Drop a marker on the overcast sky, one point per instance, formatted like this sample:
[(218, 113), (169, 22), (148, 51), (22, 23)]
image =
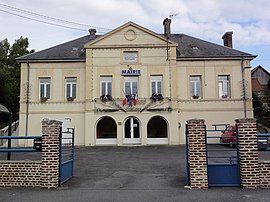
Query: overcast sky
[(205, 19)]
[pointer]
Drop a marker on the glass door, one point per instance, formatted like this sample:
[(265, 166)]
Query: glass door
[(132, 131)]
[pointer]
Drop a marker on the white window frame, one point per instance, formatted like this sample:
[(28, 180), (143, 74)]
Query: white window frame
[(131, 80), (105, 80), (46, 82), (156, 80), (196, 91), (71, 81), (224, 86), (131, 56)]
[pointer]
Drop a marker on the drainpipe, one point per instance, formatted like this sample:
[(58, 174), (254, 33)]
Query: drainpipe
[(244, 88), (27, 99)]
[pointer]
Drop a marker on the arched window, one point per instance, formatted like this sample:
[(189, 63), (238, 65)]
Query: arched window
[(157, 128), (106, 128)]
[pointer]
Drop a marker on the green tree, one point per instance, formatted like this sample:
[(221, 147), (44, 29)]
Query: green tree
[(4, 51), (10, 72)]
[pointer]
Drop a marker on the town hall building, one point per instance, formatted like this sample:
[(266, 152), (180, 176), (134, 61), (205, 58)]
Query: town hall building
[(133, 86)]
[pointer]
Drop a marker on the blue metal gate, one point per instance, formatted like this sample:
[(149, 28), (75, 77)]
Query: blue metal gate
[(222, 156), (66, 155)]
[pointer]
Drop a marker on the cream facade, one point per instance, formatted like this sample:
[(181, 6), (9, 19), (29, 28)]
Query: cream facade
[(161, 85)]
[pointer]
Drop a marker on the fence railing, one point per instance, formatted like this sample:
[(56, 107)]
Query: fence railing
[(263, 141), (9, 149), (4, 131)]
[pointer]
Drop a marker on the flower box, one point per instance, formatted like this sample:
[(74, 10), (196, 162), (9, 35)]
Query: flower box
[(43, 99), (196, 96), (70, 99), (156, 97)]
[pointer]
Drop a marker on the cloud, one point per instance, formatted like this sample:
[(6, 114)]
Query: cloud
[(206, 19)]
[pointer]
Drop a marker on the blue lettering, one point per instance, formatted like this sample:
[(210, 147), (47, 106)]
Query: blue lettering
[(130, 72)]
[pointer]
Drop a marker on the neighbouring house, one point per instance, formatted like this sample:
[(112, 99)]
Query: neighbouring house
[(260, 78), (261, 75), (134, 86), (256, 86)]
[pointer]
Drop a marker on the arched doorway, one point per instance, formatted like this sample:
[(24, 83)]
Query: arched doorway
[(106, 131), (132, 131), (157, 131)]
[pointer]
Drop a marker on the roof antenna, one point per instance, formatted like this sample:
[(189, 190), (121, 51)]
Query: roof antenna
[(172, 15), (167, 33)]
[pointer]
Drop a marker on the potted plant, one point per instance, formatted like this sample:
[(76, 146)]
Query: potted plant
[(70, 99), (105, 98), (156, 96), (43, 99), (160, 97), (109, 97)]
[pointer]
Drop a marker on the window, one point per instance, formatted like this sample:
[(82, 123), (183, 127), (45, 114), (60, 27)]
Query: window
[(71, 84), (156, 85), (195, 87), (223, 86), (105, 85), (131, 85), (131, 56), (44, 87)]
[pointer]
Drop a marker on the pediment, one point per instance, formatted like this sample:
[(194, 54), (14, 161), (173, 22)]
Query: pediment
[(130, 34)]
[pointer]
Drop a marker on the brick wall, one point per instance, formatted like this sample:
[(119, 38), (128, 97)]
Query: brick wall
[(50, 153), (20, 174), (264, 167), (197, 154), (44, 173), (248, 153)]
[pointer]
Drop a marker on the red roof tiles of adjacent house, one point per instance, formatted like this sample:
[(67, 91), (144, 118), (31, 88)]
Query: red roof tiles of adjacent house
[(256, 86)]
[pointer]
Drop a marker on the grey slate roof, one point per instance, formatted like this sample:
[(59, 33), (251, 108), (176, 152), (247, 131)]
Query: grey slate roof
[(67, 51), (188, 47)]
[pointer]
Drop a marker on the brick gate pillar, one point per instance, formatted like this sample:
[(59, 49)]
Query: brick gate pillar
[(248, 153), (197, 154), (50, 153)]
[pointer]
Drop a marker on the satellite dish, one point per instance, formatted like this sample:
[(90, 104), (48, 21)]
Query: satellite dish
[(3, 109)]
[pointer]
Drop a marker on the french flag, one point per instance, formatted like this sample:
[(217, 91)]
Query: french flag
[(124, 101), (134, 100)]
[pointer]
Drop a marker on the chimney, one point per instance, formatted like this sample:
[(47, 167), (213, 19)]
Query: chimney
[(92, 33), (167, 27), (227, 39)]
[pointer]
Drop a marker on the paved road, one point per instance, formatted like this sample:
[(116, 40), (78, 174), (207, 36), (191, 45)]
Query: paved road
[(131, 174)]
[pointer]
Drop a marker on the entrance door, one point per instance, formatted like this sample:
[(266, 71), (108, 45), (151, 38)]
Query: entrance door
[(132, 131)]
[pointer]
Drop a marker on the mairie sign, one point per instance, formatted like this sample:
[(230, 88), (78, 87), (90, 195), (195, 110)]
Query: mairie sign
[(130, 72)]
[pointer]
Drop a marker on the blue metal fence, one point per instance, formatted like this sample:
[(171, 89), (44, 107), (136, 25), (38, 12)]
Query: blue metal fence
[(10, 150), (66, 155)]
